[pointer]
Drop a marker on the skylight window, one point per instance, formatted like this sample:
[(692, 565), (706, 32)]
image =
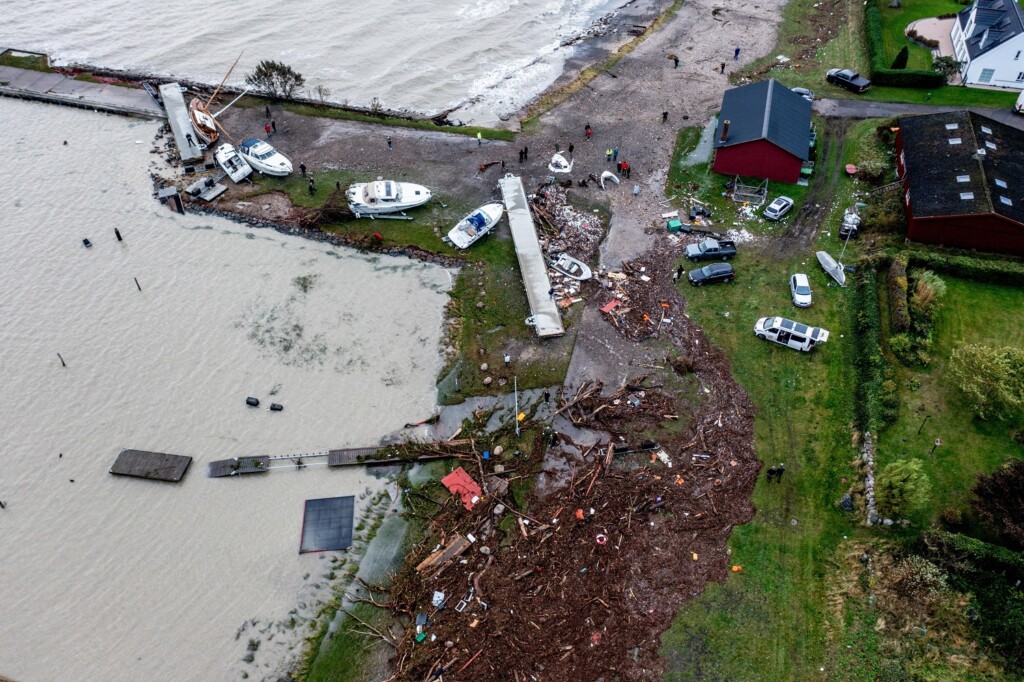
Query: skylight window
[(986, 130), (955, 140), (966, 196), (951, 126), (990, 145), (1005, 200), (963, 178), (1000, 183)]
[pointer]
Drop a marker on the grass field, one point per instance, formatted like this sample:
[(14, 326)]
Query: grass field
[(896, 20), (971, 313)]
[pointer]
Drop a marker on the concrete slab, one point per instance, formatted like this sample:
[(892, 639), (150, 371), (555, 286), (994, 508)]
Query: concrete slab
[(547, 321), (181, 126), (59, 89)]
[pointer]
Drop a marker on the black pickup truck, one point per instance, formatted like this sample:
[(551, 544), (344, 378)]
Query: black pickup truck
[(711, 249)]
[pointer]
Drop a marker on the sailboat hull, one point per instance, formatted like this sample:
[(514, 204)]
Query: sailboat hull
[(832, 267)]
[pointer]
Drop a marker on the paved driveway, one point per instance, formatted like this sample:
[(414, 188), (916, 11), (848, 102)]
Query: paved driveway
[(862, 108)]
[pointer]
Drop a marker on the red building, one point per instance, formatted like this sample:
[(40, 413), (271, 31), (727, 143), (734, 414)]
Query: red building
[(963, 181), (763, 132)]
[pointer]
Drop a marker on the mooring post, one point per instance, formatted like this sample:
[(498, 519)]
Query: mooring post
[(117, 233), (137, 284), (62, 363)]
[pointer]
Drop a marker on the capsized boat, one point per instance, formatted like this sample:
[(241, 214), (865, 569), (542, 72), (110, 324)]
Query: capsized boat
[(570, 267), (608, 175), (233, 164), (264, 158), (832, 267), (559, 164), (475, 226), (385, 196), (202, 121)]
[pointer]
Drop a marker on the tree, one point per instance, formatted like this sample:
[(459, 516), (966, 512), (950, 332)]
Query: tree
[(992, 379), (947, 66), (999, 502), (902, 487), (902, 57), (322, 92), (275, 79)]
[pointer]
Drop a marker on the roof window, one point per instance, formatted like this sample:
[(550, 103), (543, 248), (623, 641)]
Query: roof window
[(955, 140), (1005, 200), (1000, 183), (990, 145), (951, 126), (963, 178), (986, 130), (966, 196)]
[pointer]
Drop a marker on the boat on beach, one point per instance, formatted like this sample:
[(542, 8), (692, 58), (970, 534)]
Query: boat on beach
[(559, 164), (202, 121), (385, 196), (475, 226), (570, 267), (264, 158), (232, 163), (833, 267)]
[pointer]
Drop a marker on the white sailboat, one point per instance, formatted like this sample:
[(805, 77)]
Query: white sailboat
[(833, 267), (232, 163), (475, 226)]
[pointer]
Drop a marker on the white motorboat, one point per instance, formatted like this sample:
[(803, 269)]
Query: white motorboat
[(608, 175), (264, 158), (559, 164), (475, 226), (233, 164), (832, 267), (385, 196), (570, 267)]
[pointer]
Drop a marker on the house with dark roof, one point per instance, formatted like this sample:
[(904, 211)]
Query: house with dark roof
[(763, 132), (988, 39), (963, 181)]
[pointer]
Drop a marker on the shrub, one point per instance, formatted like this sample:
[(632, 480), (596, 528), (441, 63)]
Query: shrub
[(999, 502), (875, 171), (903, 347), (871, 411), (902, 57), (902, 488), (899, 311), (918, 38), (992, 379), (885, 213)]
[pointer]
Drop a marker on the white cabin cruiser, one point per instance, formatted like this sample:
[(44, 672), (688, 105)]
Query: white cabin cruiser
[(264, 158), (233, 164), (559, 164), (475, 226), (385, 196), (570, 267)]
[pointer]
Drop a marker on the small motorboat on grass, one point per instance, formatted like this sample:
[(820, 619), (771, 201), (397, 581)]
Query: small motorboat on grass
[(385, 196), (233, 164), (611, 177), (475, 226), (559, 164), (264, 158), (833, 267), (570, 267)]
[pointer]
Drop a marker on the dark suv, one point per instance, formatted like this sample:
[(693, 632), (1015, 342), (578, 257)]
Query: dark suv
[(846, 78), (716, 272)]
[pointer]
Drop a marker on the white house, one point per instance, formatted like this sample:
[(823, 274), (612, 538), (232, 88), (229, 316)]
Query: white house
[(988, 38)]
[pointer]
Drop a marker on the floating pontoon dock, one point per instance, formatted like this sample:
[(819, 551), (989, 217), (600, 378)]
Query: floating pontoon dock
[(181, 126), (544, 315), (334, 458), (155, 466), (55, 88)]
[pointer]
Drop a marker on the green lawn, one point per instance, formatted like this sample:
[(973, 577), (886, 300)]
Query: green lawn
[(896, 20), (971, 313)]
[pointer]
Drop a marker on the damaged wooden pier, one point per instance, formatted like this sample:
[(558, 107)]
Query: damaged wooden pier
[(346, 457)]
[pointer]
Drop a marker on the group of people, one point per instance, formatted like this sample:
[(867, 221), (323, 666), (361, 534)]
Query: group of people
[(776, 473)]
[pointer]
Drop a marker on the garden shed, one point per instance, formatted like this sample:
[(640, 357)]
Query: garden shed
[(963, 181), (763, 131)]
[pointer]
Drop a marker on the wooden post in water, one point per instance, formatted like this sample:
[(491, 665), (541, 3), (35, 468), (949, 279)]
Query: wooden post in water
[(117, 233), (62, 363), (137, 284)]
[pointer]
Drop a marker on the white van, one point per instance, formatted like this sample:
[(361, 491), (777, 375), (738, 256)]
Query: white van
[(789, 333), (1018, 108)]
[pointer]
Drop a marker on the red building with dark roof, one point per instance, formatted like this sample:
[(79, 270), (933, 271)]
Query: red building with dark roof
[(963, 181)]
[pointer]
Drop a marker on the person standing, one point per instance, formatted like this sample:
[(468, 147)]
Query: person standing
[(571, 147), (615, 154), (479, 139), (771, 473), (302, 169), (587, 131), (736, 54), (266, 108), (608, 154), (664, 116), (389, 143), (721, 69), (676, 60), (312, 187), (779, 470), (625, 169), (267, 128), (618, 166), (273, 125), (520, 156)]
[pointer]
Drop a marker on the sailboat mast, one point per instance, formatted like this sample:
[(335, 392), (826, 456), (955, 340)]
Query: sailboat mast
[(207, 105)]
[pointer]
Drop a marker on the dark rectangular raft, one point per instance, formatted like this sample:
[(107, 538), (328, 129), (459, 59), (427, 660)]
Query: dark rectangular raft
[(327, 524), (155, 466), (239, 465)]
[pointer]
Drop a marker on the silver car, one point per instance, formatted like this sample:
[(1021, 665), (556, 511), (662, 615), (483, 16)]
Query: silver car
[(800, 288), (778, 208)]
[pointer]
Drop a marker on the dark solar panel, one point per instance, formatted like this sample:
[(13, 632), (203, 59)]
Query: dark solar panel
[(327, 524)]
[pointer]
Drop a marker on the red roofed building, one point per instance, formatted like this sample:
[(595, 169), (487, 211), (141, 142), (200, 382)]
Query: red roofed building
[(462, 484)]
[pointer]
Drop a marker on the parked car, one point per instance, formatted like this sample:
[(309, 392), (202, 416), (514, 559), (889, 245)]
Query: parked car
[(805, 93), (710, 249), (800, 288), (778, 208), (789, 333), (849, 79), (709, 274)]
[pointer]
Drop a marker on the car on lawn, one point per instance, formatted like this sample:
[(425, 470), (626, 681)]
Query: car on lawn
[(849, 79), (789, 333), (709, 274), (778, 208), (800, 289), (805, 93)]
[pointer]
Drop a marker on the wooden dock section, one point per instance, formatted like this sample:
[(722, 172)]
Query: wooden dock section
[(236, 466), (181, 126), (544, 315), (155, 466), (55, 88)]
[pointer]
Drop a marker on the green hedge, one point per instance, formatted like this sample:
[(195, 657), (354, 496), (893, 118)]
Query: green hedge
[(880, 73), (993, 271), (877, 403), (899, 311)]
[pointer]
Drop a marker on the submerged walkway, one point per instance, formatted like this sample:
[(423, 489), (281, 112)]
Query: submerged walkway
[(55, 88), (544, 315)]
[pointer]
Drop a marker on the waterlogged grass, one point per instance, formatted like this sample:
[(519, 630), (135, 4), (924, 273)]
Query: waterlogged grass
[(32, 62), (971, 312)]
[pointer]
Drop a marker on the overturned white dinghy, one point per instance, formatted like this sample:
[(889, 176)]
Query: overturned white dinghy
[(559, 164), (475, 226), (570, 267), (832, 267), (608, 175)]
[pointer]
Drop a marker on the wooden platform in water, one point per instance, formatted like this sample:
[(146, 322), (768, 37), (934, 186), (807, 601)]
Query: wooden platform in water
[(351, 457), (237, 466), (156, 466)]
